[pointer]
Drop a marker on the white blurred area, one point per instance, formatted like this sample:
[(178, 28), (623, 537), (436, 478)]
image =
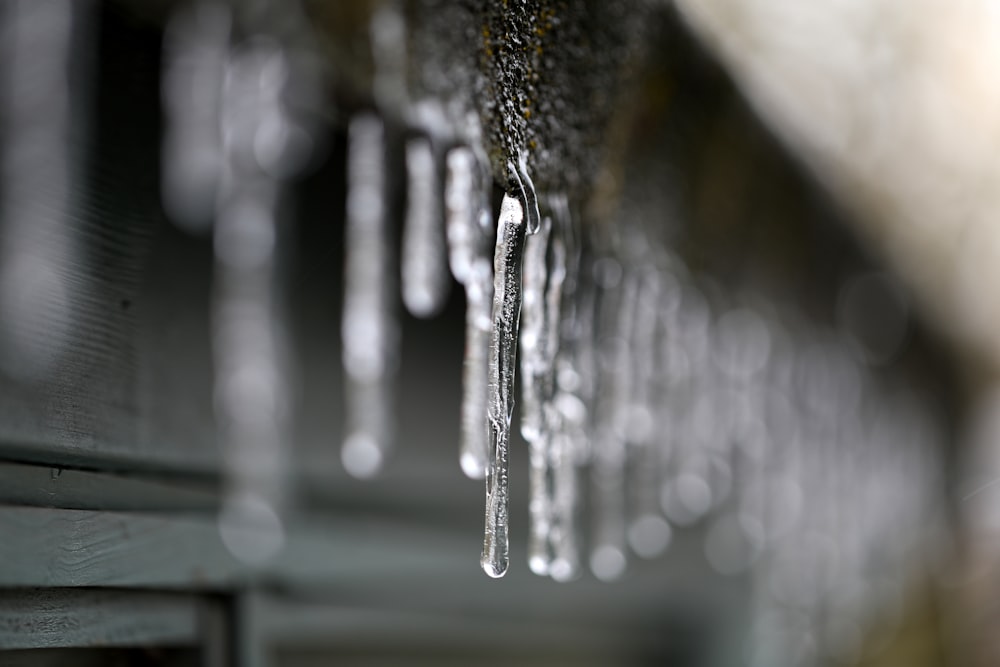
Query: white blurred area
[(895, 104)]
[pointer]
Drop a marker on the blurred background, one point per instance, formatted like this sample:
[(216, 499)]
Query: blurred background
[(246, 258)]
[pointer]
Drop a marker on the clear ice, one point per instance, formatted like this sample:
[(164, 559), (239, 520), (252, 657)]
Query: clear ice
[(502, 364)]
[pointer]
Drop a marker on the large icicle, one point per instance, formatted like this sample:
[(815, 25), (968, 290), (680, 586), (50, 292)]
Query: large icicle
[(503, 359), (469, 256), (369, 329), (425, 278)]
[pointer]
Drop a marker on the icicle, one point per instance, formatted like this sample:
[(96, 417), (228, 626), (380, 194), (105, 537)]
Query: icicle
[(536, 370), (503, 358), (607, 560), (539, 505), (551, 414), (582, 371), (252, 388), (388, 36), (425, 284), (534, 333), (565, 563), (569, 413), (471, 263), (552, 322), (570, 447), (475, 376), (369, 330), (685, 495), (648, 533), (460, 213), (196, 44), (525, 186), (42, 102)]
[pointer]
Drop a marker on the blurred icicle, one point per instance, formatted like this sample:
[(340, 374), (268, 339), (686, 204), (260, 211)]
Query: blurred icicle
[(569, 413), (370, 331), (42, 104), (502, 366), (425, 277), (388, 36), (648, 532), (553, 309), (685, 494), (473, 455), (464, 232), (536, 371), (249, 341), (470, 258), (196, 45), (551, 425), (608, 462)]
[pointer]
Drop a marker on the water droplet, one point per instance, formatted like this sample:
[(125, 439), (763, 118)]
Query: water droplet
[(251, 529), (607, 563), (361, 455), (686, 499), (649, 536)]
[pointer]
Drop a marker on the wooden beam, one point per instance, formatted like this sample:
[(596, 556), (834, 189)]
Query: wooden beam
[(32, 619)]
